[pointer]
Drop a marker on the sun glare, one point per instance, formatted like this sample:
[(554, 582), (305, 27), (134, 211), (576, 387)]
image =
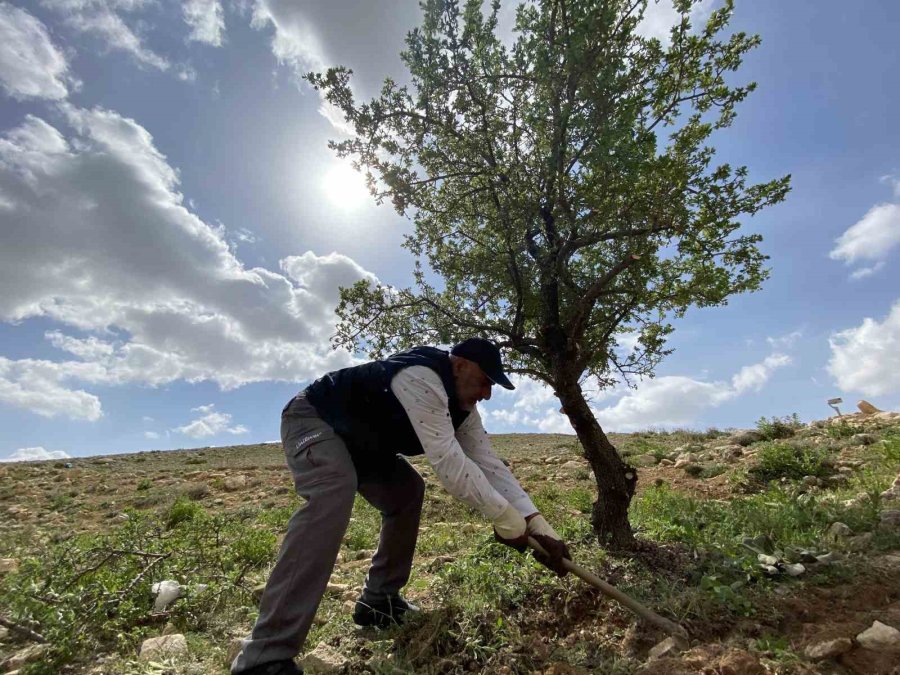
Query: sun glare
[(345, 187)]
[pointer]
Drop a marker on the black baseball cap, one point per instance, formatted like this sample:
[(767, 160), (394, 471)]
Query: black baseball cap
[(487, 355)]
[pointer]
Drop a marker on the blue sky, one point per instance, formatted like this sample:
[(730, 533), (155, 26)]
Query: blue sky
[(173, 227)]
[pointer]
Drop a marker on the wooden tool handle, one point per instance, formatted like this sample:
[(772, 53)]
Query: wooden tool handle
[(670, 627)]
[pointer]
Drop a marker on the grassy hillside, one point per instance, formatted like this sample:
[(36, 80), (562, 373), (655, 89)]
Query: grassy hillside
[(724, 519)]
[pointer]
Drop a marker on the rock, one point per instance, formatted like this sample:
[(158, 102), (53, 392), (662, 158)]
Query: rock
[(766, 559), (642, 460), (838, 531), (829, 649), (667, 647), (666, 462), (860, 542), (889, 521), (862, 439), (730, 452), (323, 659), (893, 492), (166, 593), (337, 589), (880, 637), (166, 646), (685, 458), (746, 438), (350, 595), (8, 565), (867, 408), (810, 481), (794, 569), (4, 633), (24, 656), (348, 607), (234, 483)]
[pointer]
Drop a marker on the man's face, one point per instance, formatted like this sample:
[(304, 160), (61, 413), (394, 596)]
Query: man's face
[(472, 385)]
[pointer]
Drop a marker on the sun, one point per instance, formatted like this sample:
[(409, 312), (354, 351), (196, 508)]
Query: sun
[(345, 187)]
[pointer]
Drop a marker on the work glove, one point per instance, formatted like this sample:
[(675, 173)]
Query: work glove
[(552, 543), (510, 528)]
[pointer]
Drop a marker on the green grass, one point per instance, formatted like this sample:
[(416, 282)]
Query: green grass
[(785, 460)]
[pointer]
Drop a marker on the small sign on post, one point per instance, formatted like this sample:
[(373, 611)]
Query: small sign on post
[(833, 402)]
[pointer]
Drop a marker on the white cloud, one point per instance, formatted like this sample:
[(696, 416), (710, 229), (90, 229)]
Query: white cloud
[(104, 18), (30, 65), (37, 386), (206, 19), (661, 16), (313, 35), (210, 424), (755, 376), (871, 238), (864, 272), (35, 455), (671, 401), (867, 358), (894, 182), (151, 435), (102, 242), (785, 341)]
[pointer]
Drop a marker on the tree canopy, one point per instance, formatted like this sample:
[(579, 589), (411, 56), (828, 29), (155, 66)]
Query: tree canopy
[(564, 188)]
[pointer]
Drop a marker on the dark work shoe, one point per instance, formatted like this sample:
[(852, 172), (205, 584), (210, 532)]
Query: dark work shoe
[(382, 613), (285, 667)]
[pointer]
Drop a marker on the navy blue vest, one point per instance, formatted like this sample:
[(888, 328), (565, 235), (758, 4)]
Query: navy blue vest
[(359, 404)]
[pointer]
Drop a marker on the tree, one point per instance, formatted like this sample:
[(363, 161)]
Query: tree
[(564, 191)]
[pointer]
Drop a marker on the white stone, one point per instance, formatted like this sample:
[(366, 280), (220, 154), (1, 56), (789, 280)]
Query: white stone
[(880, 637), (166, 593), (154, 649), (667, 647), (323, 659), (233, 483), (829, 649), (838, 531), (8, 565)]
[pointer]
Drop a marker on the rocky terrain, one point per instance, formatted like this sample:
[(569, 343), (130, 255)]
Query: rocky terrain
[(778, 548)]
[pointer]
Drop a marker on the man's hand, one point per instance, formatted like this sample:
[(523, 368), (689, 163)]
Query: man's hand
[(556, 552), (546, 536), (510, 528)]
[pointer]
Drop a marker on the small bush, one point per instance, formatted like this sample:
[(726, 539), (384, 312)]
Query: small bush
[(781, 460), (144, 484), (182, 511), (196, 491), (839, 430), (777, 428)]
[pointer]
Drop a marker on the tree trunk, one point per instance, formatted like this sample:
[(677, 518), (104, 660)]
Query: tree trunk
[(616, 481)]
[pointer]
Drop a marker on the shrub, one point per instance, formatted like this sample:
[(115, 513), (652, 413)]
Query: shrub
[(781, 460), (777, 428), (839, 430), (181, 511), (144, 484)]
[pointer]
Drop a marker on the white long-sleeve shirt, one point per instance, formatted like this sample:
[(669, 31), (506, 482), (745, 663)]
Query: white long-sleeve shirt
[(462, 459)]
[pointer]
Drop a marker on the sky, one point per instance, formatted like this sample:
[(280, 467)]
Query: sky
[(174, 228)]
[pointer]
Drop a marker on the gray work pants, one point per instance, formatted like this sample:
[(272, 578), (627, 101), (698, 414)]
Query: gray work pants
[(324, 475)]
